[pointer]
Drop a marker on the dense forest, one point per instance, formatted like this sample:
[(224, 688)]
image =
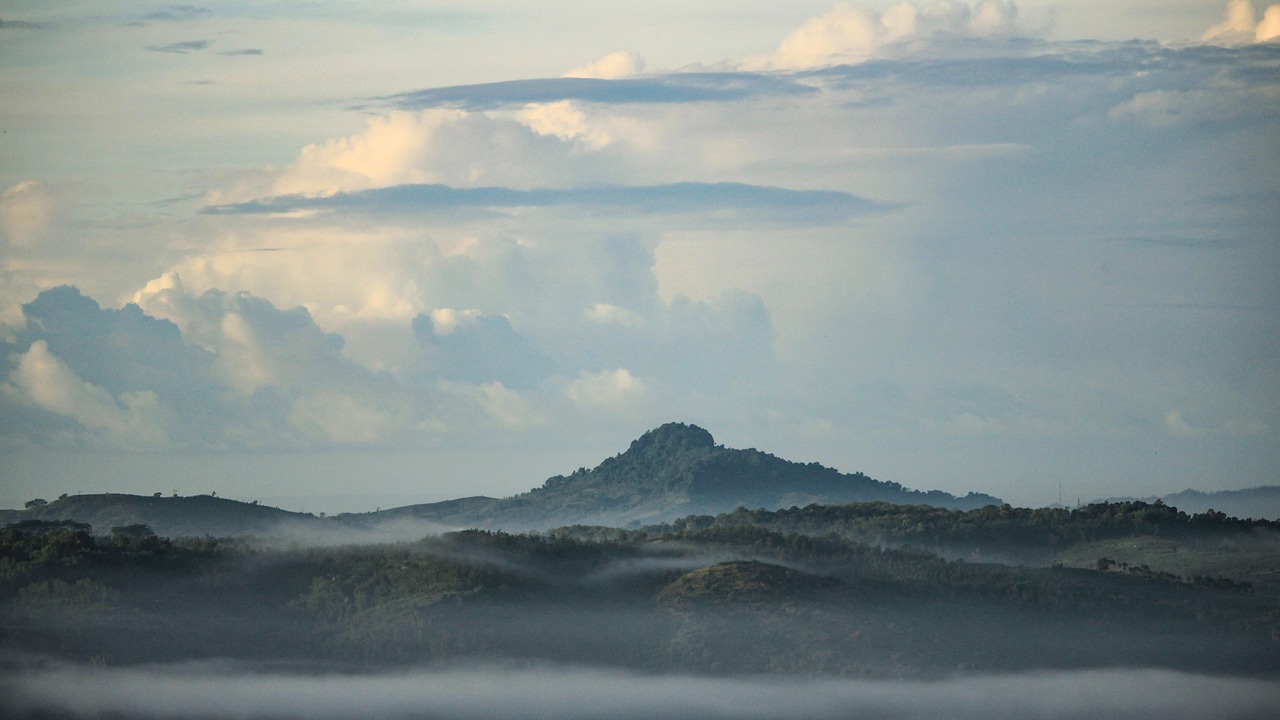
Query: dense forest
[(815, 590)]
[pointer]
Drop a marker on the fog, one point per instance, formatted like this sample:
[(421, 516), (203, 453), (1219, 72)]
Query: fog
[(232, 691)]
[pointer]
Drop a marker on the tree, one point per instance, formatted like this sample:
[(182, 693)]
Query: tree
[(36, 503)]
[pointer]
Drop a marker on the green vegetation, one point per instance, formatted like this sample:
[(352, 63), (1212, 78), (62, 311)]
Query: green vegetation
[(672, 471), (719, 595)]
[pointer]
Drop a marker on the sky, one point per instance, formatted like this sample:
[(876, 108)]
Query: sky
[(336, 256)]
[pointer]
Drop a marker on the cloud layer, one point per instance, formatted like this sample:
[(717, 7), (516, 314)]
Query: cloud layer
[(925, 240)]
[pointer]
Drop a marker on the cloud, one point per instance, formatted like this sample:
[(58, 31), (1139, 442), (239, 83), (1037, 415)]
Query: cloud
[(26, 210), (848, 34), (802, 206), (1240, 25), (614, 392), (448, 147), (241, 52), (1177, 426), (473, 347), (133, 419), (676, 88), (181, 48), (1167, 108), (232, 691), (17, 25), (1269, 27), (226, 369), (615, 65), (505, 406), (566, 121), (177, 13)]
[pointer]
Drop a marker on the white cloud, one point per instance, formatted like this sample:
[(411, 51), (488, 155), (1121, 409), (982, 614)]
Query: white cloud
[(1240, 24), (26, 209), (848, 34), (1177, 426), (612, 314), (436, 146), (1167, 108), (340, 418), (615, 392), (134, 419), (445, 320), (617, 64), (566, 121), (505, 406), (1269, 27)]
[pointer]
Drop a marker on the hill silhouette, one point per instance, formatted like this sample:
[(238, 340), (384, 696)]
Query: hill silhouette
[(168, 516), (669, 472), (672, 471)]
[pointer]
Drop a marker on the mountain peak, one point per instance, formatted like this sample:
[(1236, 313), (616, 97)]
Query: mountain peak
[(673, 437)]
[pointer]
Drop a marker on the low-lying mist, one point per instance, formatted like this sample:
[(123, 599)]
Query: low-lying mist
[(224, 690)]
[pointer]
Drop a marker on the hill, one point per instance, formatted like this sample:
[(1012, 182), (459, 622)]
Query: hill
[(1259, 503), (168, 516), (669, 472)]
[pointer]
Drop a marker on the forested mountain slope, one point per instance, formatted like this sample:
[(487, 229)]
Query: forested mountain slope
[(669, 472)]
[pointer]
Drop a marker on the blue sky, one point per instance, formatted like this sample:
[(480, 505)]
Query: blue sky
[(341, 257)]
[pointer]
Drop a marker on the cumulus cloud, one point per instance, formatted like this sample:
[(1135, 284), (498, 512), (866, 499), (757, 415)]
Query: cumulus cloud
[(450, 147), (849, 34), (566, 121), (229, 369), (255, 344), (614, 392), (26, 210), (620, 63), (1269, 27), (134, 419), (505, 406), (1240, 24), (473, 347), (1168, 108)]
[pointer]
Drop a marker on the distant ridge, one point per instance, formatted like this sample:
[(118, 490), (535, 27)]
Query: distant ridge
[(669, 472), (1258, 503), (168, 516)]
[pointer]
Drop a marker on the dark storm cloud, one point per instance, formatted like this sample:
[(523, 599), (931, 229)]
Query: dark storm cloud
[(674, 88), (674, 198)]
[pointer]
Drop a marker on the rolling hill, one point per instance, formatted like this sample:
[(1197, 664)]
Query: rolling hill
[(669, 472), (168, 516)]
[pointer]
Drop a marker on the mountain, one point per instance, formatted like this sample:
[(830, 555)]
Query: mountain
[(669, 472), (167, 516), (1259, 503)]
